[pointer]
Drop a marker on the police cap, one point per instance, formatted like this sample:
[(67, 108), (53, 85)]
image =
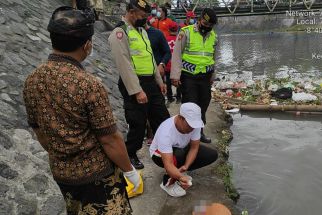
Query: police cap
[(140, 4), (209, 15), (70, 22)]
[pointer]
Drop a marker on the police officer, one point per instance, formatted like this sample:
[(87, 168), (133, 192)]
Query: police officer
[(140, 82), (193, 62)]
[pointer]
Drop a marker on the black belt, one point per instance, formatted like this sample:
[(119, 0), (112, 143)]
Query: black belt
[(146, 78), (185, 74)]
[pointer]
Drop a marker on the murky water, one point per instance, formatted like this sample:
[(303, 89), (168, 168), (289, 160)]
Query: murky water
[(277, 158), (268, 53), (277, 161)]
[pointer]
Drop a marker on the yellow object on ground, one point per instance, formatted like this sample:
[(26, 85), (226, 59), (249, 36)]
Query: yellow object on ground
[(130, 187)]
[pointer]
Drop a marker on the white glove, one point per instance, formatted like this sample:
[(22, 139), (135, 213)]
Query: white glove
[(134, 177)]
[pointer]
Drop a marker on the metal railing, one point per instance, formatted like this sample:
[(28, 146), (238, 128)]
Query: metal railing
[(251, 7)]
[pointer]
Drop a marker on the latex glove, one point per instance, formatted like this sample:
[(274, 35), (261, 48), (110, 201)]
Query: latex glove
[(134, 177)]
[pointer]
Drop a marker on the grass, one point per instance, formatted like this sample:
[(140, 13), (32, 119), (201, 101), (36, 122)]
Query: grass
[(224, 168)]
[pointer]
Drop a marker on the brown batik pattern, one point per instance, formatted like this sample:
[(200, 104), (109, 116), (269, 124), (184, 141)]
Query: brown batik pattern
[(103, 197), (71, 108)]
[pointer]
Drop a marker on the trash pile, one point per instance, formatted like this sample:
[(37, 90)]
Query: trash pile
[(237, 89)]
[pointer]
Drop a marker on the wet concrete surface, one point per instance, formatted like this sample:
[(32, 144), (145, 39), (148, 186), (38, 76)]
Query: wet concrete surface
[(207, 187)]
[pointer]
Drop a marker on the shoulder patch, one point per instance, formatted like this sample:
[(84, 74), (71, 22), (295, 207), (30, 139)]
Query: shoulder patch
[(119, 35)]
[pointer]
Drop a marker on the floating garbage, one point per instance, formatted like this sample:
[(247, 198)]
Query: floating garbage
[(303, 97), (273, 87), (233, 110), (278, 92)]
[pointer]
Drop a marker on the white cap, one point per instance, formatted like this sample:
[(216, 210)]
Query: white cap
[(192, 114)]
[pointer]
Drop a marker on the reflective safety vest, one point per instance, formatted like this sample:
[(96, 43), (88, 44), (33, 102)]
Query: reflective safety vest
[(140, 51), (198, 55)]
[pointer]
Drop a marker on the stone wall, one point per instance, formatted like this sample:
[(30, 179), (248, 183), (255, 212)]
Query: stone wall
[(26, 184)]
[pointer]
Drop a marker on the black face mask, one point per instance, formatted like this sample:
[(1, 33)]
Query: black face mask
[(140, 22), (203, 29)]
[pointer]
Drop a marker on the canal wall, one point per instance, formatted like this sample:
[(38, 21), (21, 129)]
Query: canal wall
[(289, 21)]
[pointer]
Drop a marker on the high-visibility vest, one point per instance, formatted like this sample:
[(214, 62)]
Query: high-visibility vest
[(140, 51), (198, 55)]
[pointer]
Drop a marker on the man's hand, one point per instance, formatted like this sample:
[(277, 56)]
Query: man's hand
[(134, 177), (161, 70), (185, 182), (175, 82), (141, 97), (163, 88), (183, 168), (152, 20)]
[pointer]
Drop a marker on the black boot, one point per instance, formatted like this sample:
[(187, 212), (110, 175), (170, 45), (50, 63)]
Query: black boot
[(204, 138), (136, 162)]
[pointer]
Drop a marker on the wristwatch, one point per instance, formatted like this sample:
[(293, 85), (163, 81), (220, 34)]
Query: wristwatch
[(162, 64)]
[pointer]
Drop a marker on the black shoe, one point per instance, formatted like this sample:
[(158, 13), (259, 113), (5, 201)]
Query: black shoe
[(136, 162), (204, 138)]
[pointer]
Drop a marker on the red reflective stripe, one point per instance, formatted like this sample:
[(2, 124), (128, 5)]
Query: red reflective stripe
[(158, 154), (175, 160)]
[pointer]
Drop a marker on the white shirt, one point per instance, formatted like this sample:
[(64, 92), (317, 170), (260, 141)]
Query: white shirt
[(168, 136)]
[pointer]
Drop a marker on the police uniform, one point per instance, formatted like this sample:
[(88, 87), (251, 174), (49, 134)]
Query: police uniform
[(193, 64), (134, 60)]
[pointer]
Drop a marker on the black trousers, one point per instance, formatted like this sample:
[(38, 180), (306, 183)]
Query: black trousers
[(136, 114), (204, 157), (82, 4), (197, 89)]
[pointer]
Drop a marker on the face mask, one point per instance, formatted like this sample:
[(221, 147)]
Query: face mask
[(154, 12), (140, 22), (158, 14), (203, 29), (92, 52), (191, 21)]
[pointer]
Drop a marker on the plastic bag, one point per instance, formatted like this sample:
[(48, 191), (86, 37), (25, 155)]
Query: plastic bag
[(130, 187), (303, 97), (283, 93)]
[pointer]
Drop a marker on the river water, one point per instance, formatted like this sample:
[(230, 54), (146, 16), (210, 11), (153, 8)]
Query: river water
[(270, 53), (277, 157)]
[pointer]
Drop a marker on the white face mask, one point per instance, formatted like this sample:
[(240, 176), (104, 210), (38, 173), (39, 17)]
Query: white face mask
[(154, 12), (92, 51), (191, 21), (159, 14)]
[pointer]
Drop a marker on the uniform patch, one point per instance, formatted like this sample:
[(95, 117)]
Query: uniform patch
[(142, 3), (206, 17), (119, 35)]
